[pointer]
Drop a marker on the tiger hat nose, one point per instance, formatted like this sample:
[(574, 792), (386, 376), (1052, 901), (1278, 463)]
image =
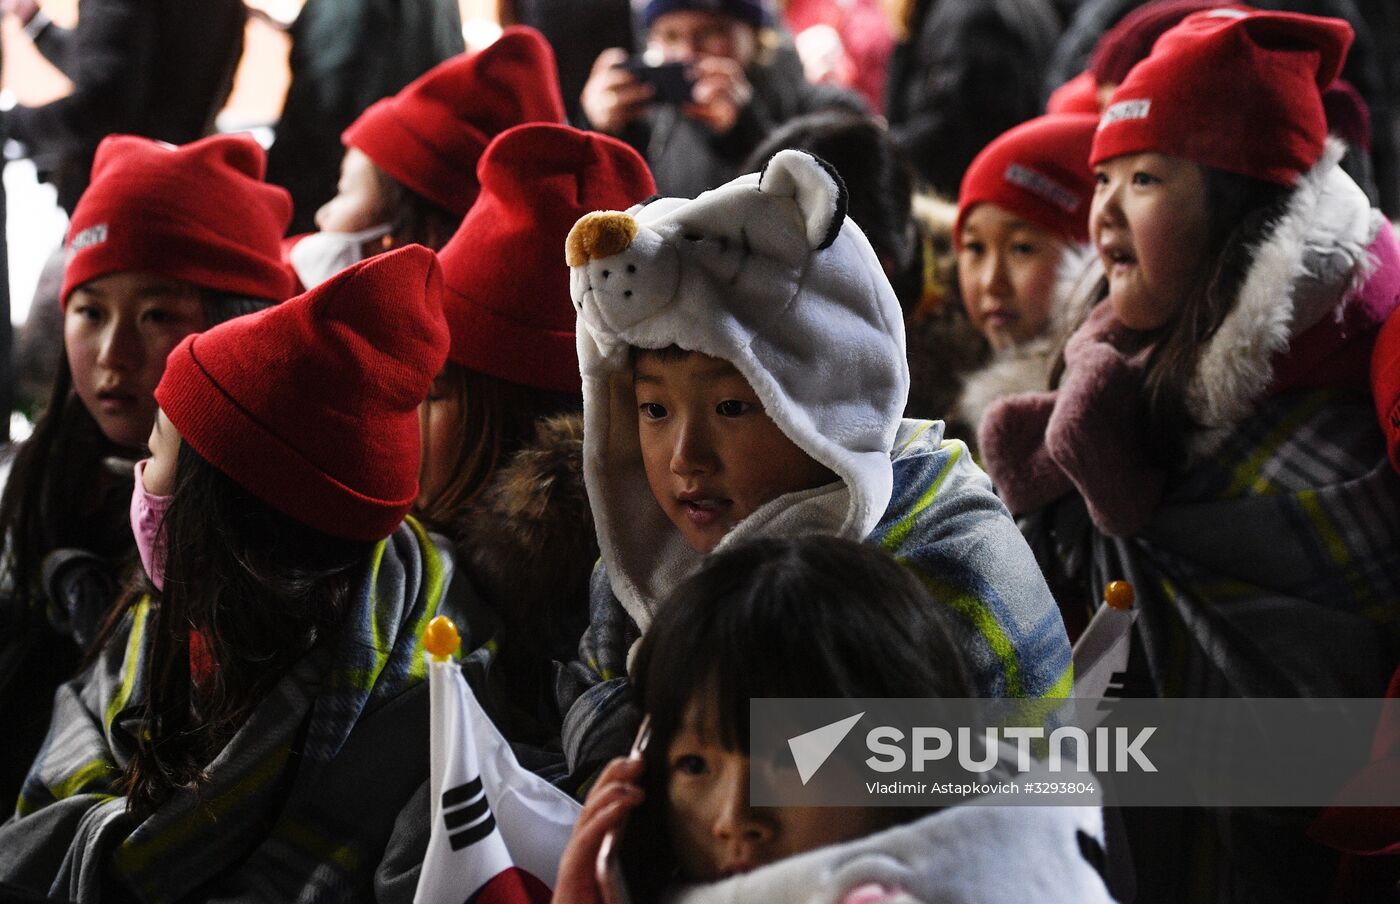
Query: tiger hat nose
[(599, 234)]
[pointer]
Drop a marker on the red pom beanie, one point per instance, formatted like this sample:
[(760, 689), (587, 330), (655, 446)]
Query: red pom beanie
[(507, 287), (1039, 171), (430, 135), (312, 405), (1232, 89), (200, 213), (1385, 385)]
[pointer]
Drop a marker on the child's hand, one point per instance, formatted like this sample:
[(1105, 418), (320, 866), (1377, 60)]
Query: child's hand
[(721, 93), (614, 796)]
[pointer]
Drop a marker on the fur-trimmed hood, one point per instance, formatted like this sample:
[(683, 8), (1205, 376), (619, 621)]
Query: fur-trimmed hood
[(1026, 366), (528, 545), (1328, 273)]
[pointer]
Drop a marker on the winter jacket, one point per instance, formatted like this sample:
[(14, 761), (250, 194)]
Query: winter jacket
[(768, 274), (158, 68), (1268, 563), (686, 158), (286, 813), (970, 70)]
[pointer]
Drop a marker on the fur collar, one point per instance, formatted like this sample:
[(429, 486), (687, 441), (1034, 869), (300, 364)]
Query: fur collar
[(1315, 255)]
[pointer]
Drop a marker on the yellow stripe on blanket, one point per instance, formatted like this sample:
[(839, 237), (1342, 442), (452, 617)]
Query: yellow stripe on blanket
[(976, 611), (900, 532)]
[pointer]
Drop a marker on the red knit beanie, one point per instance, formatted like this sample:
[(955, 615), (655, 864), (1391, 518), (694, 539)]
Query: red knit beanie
[(200, 213), (507, 287), (1130, 41), (1385, 385), (1236, 90), (1039, 171), (430, 135), (312, 405), (1078, 95)]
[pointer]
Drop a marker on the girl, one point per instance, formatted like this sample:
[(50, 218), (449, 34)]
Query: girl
[(816, 617), (502, 442), (220, 740), (1212, 437), (1021, 236), (166, 241), (409, 171)]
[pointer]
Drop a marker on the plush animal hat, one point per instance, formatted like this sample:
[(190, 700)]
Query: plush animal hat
[(312, 405), (1238, 90), (767, 273), (430, 135), (200, 213), (507, 292), (1038, 171)]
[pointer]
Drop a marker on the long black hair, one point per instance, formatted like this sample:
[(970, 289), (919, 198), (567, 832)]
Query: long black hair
[(809, 617), (258, 588), (61, 492)]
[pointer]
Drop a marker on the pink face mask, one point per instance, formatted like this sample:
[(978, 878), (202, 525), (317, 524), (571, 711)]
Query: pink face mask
[(147, 513)]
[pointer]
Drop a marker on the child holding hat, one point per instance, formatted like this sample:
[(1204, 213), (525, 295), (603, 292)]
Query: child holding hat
[(166, 241), (744, 376), (220, 741)]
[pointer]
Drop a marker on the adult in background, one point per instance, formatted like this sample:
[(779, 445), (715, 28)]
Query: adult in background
[(157, 68), (743, 87), (968, 71)]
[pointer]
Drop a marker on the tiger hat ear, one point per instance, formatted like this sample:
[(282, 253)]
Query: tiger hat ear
[(816, 187)]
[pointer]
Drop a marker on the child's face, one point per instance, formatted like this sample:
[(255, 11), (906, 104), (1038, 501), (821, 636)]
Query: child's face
[(363, 197), (713, 830), (117, 332), (1006, 272), (712, 455), (164, 444), (440, 428), (1149, 224)]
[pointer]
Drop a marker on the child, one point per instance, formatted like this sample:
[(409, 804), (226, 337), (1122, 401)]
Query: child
[(166, 241), (1212, 438), (502, 434), (1022, 236), (744, 376), (222, 738), (813, 617), (409, 171)]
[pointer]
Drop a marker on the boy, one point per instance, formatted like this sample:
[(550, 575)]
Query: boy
[(744, 376)]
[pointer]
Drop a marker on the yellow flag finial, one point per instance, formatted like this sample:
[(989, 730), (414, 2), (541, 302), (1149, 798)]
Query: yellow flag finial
[(441, 638), (1119, 595)]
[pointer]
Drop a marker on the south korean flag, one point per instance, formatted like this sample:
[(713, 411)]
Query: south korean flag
[(498, 829)]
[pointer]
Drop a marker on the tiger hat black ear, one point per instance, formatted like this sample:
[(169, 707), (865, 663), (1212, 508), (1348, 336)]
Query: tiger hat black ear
[(816, 187)]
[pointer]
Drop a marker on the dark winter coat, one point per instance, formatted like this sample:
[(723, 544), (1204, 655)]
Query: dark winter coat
[(159, 68), (686, 158), (970, 70)]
